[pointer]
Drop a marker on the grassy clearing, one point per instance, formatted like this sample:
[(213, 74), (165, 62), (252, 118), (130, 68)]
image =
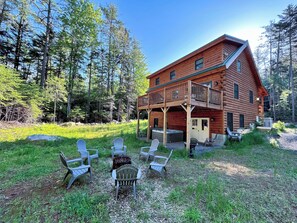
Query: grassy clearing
[(251, 181)]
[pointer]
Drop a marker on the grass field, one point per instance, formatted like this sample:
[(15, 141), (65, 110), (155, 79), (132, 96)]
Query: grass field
[(254, 181)]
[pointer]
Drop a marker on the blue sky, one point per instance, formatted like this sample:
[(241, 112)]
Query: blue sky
[(168, 30)]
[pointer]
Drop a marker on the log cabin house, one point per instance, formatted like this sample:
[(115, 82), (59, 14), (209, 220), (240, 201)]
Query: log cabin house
[(200, 94)]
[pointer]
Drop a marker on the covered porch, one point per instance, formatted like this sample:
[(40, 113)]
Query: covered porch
[(182, 107)]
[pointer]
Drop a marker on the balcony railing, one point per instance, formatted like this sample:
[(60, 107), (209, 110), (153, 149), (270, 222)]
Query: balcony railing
[(180, 93)]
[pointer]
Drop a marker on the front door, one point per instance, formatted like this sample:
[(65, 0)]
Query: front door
[(200, 129)]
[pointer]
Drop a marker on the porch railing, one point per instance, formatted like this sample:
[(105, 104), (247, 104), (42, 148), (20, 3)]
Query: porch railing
[(180, 92)]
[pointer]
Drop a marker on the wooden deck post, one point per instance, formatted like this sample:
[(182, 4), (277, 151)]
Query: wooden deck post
[(222, 100), (207, 96), (137, 128), (148, 134), (165, 110), (188, 126)]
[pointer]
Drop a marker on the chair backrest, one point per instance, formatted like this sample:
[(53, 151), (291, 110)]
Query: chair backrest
[(82, 148), (63, 159), (154, 145), (126, 174), (229, 131), (118, 143), (168, 158)]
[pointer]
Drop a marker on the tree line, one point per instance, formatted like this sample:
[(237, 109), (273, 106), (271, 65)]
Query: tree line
[(276, 58), (67, 61)]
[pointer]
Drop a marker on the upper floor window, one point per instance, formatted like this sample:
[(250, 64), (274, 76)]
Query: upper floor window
[(199, 64), (236, 91), (157, 81), (238, 66), (172, 75), (251, 97)]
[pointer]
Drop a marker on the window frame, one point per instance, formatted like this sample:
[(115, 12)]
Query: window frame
[(241, 121), (251, 96), (238, 66), (235, 96), (172, 75), (229, 119), (200, 64), (157, 81)]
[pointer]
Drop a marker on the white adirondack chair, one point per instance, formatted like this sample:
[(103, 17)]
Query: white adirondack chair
[(124, 176), (75, 171), (159, 163), (84, 152), (233, 135), (149, 151), (118, 147)]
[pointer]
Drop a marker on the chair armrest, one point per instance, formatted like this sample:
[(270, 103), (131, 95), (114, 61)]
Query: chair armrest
[(95, 150), (80, 167), (114, 174), (143, 148), (112, 148), (125, 148), (160, 157), (74, 160), (139, 174)]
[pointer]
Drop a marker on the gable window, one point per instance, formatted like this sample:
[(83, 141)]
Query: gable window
[(251, 97), (199, 64), (241, 121), (172, 75), (157, 81), (236, 91), (238, 66)]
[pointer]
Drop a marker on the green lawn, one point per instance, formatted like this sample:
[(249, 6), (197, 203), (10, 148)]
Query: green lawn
[(253, 181)]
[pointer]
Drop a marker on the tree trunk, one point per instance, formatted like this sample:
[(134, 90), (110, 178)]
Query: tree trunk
[(291, 74), (2, 12), (89, 90), (18, 44), (46, 46)]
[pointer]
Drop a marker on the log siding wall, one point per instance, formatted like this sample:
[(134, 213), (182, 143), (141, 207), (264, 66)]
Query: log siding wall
[(246, 83), (212, 56)]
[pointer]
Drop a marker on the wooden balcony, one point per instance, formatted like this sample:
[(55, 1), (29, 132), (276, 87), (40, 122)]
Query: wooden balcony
[(181, 94)]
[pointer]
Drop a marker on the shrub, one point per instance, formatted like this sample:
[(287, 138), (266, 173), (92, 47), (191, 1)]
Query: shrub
[(279, 126)]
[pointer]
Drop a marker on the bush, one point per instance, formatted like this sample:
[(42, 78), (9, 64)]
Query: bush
[(279, 126)]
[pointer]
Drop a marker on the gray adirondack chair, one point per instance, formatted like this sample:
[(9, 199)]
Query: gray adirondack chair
[(75, 171), (84, 152), (159, 163), (233, 135), (149, 151), (118, 147), (124, 176)]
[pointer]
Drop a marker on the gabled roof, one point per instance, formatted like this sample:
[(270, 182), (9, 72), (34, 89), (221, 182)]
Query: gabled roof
[(222, 38), (244, 45)]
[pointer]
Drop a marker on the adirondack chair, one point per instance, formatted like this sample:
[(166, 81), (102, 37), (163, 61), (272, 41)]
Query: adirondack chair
[(84, 152), (233, 135), (118, 147), (210, 141), (124, 176), (159, 165), (75, 171), (150, 150)]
